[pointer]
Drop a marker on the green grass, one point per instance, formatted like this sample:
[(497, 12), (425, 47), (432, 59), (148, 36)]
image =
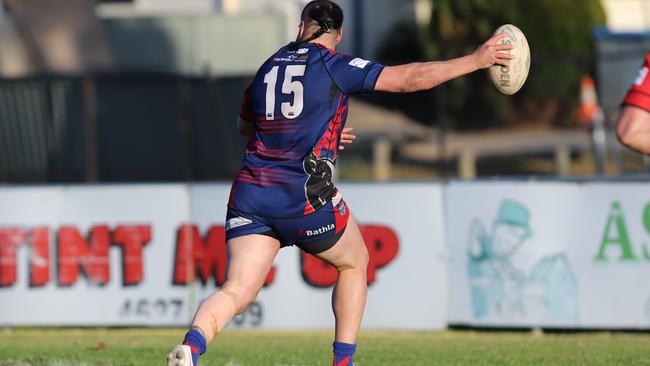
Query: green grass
[(106, 347)]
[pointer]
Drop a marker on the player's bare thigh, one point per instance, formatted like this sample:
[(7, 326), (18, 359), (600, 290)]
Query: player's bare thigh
[(250, 258), (349, 251)]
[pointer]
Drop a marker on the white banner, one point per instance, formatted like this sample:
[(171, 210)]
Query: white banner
[(549, 254), (147, 255), (90, 255)]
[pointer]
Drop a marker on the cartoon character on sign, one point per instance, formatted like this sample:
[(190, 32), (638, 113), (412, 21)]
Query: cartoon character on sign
[(500, 289)]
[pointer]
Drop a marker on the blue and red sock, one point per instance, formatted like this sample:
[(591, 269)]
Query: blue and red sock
[(195, 339), (343, 353)]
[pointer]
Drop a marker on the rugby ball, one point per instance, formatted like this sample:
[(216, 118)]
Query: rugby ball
[(508, 80)]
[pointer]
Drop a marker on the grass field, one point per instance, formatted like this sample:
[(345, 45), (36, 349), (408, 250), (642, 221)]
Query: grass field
[(106, 347)]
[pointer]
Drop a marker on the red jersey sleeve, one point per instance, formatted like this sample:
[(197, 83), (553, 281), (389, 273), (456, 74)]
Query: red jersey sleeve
[(639, 93)]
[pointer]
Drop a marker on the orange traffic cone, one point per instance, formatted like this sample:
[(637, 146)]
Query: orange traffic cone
[(589, 108)]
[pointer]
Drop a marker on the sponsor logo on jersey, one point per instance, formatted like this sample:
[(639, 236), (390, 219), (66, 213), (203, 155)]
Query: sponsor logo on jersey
[(302, 51), (339, 204), (359, 62), (336, 198), (640, 78), (236, 222), (291, 58), (321, 230), (342, 208)]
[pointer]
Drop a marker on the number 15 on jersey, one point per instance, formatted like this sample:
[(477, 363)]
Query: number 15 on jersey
[(290, 110)]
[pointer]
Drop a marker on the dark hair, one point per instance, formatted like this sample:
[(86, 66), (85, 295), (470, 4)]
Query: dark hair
[(326, 13)]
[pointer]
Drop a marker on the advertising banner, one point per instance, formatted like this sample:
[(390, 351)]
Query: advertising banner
[(533, 254), (121, 255)]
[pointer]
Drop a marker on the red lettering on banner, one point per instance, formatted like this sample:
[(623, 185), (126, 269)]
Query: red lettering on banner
[(39, 257), (196, 256), (203, 257), (10, 239), (91, 257), (75, 254), (382, 243), (132, 239)]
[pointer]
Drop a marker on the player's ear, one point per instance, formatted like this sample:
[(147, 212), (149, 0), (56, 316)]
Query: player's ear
[(301, 30), (339, 37)]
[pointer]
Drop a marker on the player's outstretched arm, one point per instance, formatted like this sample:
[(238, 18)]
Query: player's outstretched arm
[(633, 129), (426, 75)]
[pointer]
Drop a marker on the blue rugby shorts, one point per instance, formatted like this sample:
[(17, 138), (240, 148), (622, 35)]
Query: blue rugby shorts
[(313, 233)]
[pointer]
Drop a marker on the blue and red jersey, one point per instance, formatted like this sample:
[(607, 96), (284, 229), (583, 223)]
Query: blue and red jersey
[(298, 103)]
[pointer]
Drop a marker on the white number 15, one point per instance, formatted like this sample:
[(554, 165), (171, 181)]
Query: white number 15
[(289, 86)]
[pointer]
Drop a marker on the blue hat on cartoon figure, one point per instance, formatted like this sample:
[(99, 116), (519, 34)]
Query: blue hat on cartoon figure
[(516, 214)]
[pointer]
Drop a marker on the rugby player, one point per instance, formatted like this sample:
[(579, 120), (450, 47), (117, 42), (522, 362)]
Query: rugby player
[(294, 112)]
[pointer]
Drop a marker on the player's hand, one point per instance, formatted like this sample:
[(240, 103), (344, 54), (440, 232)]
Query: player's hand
[(347, 137), (490, 53)]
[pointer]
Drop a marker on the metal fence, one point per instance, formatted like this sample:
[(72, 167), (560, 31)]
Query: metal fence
[(126, 127)]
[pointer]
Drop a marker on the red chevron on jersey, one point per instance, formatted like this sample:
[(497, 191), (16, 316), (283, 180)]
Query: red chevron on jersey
[(330, 139)]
